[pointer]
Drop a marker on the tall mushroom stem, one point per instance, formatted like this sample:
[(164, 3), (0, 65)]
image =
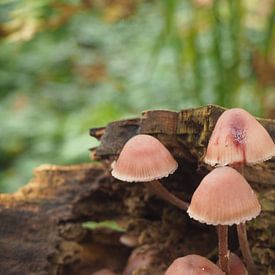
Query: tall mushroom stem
[(243, 241), (244, 245), (162, 192), (223, 248)]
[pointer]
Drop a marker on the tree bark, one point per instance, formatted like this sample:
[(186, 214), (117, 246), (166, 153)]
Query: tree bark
[(41, 228)]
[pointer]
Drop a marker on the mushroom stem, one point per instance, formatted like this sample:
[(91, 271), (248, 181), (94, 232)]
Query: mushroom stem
[(242, 236), (243, 241), (223, 248), (162, 192)]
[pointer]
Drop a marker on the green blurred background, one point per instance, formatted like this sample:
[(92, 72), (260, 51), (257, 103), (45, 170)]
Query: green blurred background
[(66, 66)]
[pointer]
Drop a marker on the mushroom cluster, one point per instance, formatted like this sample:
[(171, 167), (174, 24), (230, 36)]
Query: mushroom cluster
[(222, 199), (239, 139)]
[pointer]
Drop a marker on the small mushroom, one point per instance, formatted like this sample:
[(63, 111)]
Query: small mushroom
[(140, 260), (236, 266), (193, 265), (238, 138), (145, 159), (129, 240), (224, 198)]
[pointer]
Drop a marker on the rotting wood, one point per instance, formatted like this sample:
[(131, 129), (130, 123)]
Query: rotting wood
[(41, 232)]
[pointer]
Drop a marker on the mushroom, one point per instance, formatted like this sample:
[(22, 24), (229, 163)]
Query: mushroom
[(129, 240), (140, 260), (236, 265), (238, 139), (224, 198), (145, 159), (193, 265), (198, 265)]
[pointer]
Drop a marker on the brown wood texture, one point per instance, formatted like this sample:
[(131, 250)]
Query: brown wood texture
[(41, 225)]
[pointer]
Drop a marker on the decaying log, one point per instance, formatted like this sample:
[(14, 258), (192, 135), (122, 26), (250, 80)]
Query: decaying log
[(41, 228)]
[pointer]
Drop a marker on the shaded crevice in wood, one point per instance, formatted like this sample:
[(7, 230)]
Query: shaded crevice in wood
[(41, 232)]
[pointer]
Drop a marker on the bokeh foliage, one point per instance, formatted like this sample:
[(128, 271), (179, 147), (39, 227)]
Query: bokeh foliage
[(70, 65)]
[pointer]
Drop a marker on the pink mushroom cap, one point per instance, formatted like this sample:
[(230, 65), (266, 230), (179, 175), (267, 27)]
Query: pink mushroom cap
[(143, 158), (224, 197), (236, 265), (238, 138), (193, 265)]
